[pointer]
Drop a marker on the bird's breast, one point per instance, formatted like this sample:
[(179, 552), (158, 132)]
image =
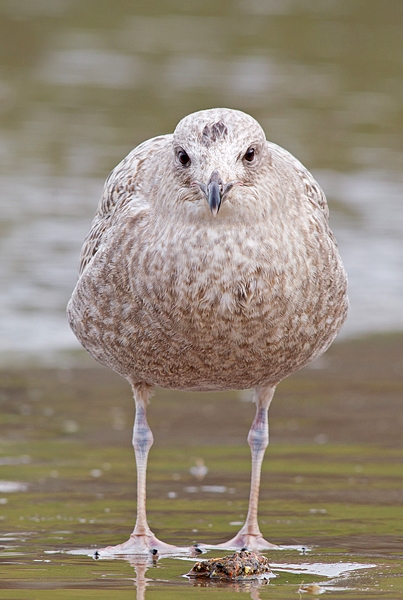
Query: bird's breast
[(233, 306), (214, 273)]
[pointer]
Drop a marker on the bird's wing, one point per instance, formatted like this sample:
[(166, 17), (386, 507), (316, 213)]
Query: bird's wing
[(123, 190), (310, 187)]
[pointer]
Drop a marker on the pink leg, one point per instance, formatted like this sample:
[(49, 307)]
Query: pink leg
[(142, 540), (258, 439)]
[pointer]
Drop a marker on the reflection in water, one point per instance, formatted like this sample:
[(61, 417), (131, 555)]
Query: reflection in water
[(251, 587), (141, 565)]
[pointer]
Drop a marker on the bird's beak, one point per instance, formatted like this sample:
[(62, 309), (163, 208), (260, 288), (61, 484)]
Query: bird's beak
[(214, 192)]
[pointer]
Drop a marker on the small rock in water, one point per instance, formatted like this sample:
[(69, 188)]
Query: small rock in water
[(237, 566)]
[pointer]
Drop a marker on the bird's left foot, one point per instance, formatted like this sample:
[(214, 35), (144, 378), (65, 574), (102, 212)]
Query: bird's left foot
[(247, 541)]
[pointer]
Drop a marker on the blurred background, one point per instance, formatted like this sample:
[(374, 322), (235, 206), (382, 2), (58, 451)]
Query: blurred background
[(82, 83)]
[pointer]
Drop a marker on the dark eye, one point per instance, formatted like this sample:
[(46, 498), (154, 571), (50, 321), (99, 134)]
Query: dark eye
[(183, 158), (249, 154)]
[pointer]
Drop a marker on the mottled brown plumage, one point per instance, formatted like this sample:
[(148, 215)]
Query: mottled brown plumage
[(173, 294)]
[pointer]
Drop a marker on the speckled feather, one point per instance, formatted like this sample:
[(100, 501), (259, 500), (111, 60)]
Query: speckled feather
[(170, 295)]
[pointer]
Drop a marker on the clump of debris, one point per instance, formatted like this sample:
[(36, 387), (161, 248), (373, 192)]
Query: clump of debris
[(234, 567)]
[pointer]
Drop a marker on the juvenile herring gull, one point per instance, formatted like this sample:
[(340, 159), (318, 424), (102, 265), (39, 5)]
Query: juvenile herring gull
[(209, 265)]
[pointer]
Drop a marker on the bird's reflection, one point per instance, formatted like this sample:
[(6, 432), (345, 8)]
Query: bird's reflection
[(141, 564)]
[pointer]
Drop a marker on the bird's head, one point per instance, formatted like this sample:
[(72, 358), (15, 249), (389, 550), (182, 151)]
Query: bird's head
[(214, 152)]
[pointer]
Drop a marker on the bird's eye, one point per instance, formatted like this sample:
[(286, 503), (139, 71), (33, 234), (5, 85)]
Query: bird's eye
[(249, 154), (183, 158)]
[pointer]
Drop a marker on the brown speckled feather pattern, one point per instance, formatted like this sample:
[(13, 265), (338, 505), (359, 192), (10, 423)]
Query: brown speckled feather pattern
[(170, 295)]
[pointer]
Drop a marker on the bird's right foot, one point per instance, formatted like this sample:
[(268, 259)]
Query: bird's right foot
[(143, 545)]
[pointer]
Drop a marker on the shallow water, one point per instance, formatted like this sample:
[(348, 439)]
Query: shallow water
[(83, 83), (353, 548), (331, 493)]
